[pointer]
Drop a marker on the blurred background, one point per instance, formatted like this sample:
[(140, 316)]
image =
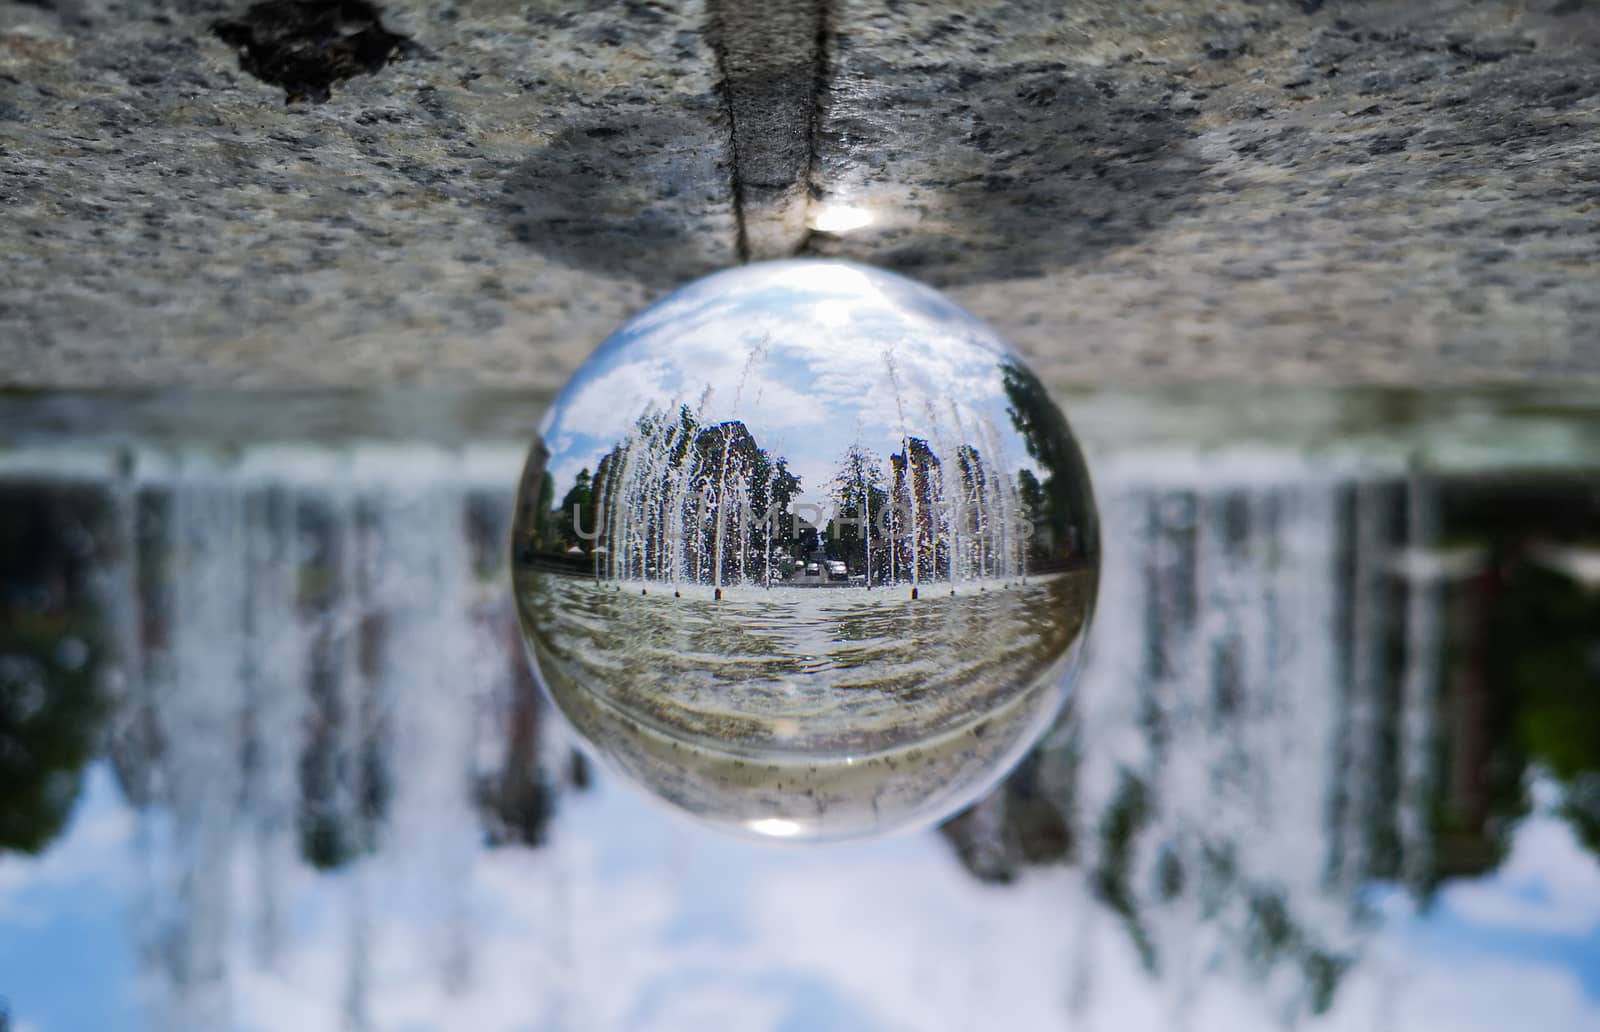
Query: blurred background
[(272, 757)]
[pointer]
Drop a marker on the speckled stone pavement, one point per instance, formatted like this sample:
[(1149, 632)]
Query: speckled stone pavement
[(1375, 192)]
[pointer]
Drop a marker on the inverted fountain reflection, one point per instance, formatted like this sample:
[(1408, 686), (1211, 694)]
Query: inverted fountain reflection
[(806, 551), (321, 792)]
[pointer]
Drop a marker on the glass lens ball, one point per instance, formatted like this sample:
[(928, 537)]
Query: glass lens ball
[(806, 551)]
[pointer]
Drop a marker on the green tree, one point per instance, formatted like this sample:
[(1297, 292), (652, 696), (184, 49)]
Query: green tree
[(576, 505), (1065, 490), (860, 500), (1547, 658), (51, 703)]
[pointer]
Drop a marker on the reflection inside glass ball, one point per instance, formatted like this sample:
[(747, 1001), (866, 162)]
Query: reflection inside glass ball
[(806, 551)]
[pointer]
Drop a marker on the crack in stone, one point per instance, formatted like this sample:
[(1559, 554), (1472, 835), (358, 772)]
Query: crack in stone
[(715, 34), (821, 74), (772, 68)]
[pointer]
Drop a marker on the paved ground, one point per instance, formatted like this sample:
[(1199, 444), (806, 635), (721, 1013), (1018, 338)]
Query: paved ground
[(1386, 191)]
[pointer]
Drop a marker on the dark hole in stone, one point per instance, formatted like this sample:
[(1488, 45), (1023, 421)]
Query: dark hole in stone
[(306, 46)]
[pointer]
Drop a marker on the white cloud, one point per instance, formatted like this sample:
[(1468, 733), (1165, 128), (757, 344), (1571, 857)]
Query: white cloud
[(88, 853), (1487, 994), (607, 405), (1549, 885), (798, 354)]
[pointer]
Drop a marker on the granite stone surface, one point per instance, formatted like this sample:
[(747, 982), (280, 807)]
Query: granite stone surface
[(1309, 192), (480, 211), (1383, 192)]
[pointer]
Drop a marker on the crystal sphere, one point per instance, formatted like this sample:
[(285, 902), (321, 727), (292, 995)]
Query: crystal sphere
[(806, 551)]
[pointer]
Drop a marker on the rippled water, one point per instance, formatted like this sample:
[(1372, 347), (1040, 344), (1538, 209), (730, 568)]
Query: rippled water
[(809, 711), (272, 759), (830, 672)]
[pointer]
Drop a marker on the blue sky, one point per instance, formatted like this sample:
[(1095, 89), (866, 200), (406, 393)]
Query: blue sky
[(66, 959), (802, 352)]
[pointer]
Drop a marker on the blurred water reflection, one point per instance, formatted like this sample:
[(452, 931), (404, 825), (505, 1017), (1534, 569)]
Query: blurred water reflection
[(270, 758)]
